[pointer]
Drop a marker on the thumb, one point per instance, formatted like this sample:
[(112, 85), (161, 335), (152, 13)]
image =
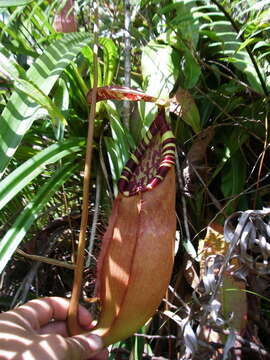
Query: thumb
[(83, 346)]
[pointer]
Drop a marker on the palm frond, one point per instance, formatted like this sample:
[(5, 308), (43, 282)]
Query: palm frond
[(20, 111)]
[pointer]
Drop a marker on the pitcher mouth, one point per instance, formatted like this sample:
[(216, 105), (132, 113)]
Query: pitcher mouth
[(152, 159)]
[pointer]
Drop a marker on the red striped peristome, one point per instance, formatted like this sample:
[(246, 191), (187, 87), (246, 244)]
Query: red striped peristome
[(138, 176), (152, 159), (119, 93)]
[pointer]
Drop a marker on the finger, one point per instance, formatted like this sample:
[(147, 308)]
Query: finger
[(85, 318), (84, 346), (39, 312), (55, 327)]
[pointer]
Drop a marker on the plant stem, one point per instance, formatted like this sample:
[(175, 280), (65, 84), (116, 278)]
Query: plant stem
[(95, 218), (127, 48), (73, 325)]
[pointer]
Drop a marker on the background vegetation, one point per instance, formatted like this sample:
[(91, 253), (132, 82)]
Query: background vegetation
[(214, 55)]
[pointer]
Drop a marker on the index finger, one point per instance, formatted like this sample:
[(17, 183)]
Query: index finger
[(40, 312)]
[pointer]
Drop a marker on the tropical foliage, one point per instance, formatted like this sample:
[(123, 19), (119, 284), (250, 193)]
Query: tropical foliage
[(212, 58)]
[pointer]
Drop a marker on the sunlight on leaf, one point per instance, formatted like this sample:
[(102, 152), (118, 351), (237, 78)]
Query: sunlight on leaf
[(7, 3), (20, 113), (19, 229), (30, 169)]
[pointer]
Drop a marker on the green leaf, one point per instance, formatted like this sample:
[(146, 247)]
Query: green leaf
[(256, 6), (110, 59), (247, 42), (40, 20), (33, 92), (21, 111), (184, 23), (9, 68), (14, 41), (189, 111), (159, 75), (233, 180), (77, 88), (89, 56), (261, 44), (18, 230), (138, 345), (61, 100), (191, 70), (119, 133), (230, 47), (119, 146), (7, 3), (158, 69), (30, 169), (116, 164)]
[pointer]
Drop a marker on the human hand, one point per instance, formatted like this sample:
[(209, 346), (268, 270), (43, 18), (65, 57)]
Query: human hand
[(37, 331)]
